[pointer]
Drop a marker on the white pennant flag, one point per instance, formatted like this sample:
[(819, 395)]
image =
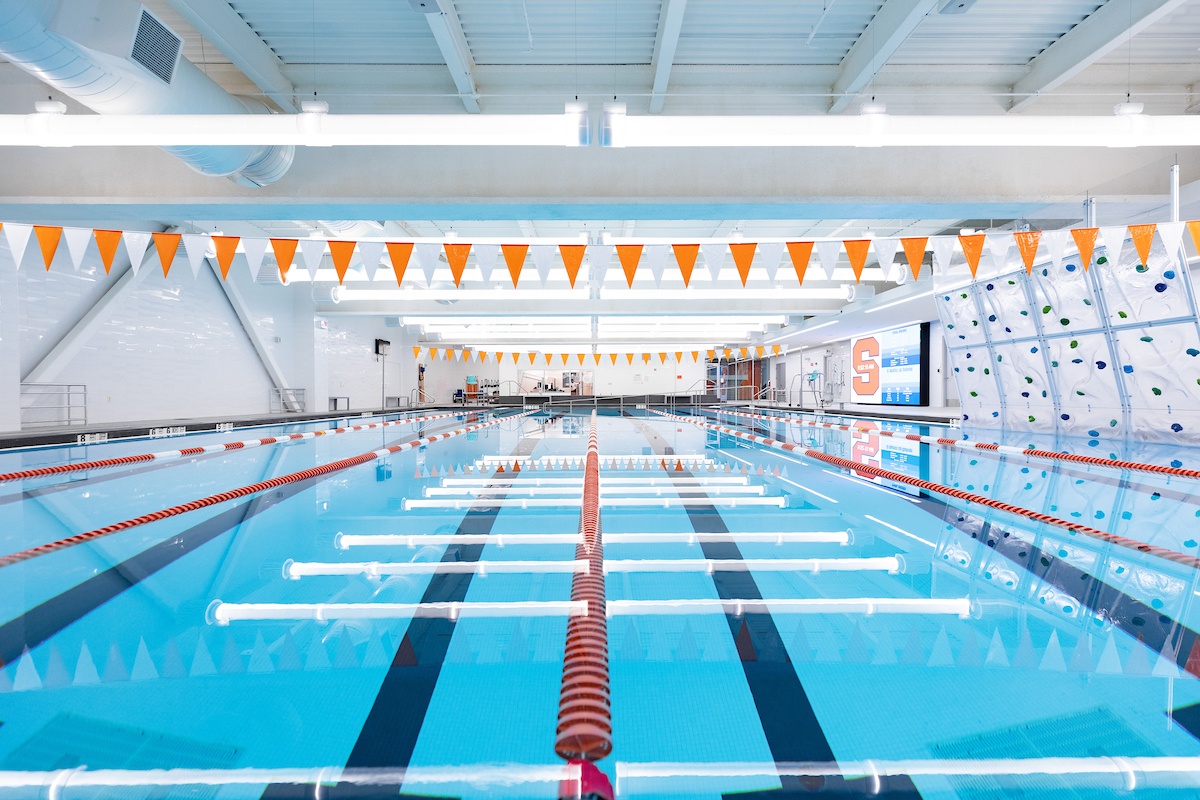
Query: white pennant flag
[(828, 253), (998, 245), (1114, 240), (714, 255), (196, 245), (885, 251), (769, 256), (312, 251), (1056, 245), (77, 244), (255, 249), (136, 243), (427, 259), (599, 256), (371, 253), (943, 251), (485, 259), (655, 256), (543, 260), (18, 238), (1171, 234)]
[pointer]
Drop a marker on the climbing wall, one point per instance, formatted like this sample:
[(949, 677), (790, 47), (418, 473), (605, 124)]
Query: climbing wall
[(1112, 351)]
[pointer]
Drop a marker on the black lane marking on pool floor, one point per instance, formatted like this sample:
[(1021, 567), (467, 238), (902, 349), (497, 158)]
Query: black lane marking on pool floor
[(389, 735), (49, 617), (1132, 616)]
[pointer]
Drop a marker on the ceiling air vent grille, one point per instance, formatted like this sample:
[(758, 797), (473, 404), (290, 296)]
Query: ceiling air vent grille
[(156, 47)]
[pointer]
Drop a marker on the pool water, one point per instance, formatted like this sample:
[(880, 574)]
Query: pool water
[(974, 653)]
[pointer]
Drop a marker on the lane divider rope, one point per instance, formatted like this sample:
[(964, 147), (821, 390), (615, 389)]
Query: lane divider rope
[(584, 732), (168, 455), (255, 488), (995, 448), (1131, 544)]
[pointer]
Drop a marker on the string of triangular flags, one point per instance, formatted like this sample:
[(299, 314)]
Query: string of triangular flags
[(564, 359), (373, 255)]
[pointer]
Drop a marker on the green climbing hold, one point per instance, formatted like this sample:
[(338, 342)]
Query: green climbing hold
[(964, 296), (1012, 283), (1156, 390), (1087, 302), (1065, 321), (974, 394), (1054, 363), (1028, 379), (1112, 423), (1141, 268), (1045, 309), (974, 322), (1031, 417), (1147, 338), (1081, 393), (1101, 260), (1074, 344), (1024, 313), (1122, 315), (987, 371), (999, 358)]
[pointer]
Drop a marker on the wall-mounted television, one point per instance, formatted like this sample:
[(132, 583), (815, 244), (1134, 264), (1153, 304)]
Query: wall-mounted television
[(891, 367)]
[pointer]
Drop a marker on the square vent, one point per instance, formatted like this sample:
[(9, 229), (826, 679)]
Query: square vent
[(156, 47)]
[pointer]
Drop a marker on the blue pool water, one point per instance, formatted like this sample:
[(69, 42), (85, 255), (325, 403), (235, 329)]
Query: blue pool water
[(1067, 674)]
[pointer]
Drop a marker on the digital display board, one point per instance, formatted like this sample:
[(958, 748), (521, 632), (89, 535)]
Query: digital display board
[(891, 367)]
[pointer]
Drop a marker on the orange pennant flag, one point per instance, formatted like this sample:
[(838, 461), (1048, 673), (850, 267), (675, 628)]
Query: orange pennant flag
[(548, 357), (106, 243), (341, 252), (48, 240), (225, 246), (613, 357), (630, 255), (914, 250), (972, 247), (581, 355), (514, 256), (775, 348), (800, 253), (167, 244), (758, 351), (572, 256), (685, 257), (1027, 243), (743, 352), (416, 352), (532, 356), (629, 357), (1085, 240), (483, 356), (711, 353), (456, 256), (1143, 237), (516, 358), (727, 352), (695, 356), (285, 251), (433, 354), (662, 358), (399, 253), (565, 356), (856, 249), (1194, 228), (743, 256), (679, 357)]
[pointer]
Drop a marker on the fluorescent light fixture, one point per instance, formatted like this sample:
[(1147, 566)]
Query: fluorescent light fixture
[(801, 331), (898, 302)]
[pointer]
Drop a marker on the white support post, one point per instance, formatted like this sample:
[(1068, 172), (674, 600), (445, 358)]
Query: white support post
[(670, 22), (238, 303), (217, 22), (892, 25), (74, 340), (1107, 28), (448, 32)]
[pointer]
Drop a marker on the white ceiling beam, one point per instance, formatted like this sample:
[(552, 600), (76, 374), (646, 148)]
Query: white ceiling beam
[(217, 22), (447, 30), (890, 27), (670, 22), (1110, 26)]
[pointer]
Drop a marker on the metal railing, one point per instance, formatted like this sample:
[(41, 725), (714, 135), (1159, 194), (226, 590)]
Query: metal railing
[(53, 404), (286, 400)]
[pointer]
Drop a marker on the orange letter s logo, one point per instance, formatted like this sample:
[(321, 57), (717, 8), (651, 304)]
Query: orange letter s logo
[(866, 382)]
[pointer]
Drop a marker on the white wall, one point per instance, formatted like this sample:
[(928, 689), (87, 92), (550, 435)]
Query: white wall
[(355, 371), (623, 377)]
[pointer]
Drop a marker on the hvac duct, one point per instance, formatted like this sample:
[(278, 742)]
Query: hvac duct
[(115, 57)]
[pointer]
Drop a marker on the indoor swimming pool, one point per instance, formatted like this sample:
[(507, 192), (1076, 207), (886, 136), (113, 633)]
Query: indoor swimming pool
[(795, 605)]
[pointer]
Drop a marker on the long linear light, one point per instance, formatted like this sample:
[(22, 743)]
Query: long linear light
[(316, 129)]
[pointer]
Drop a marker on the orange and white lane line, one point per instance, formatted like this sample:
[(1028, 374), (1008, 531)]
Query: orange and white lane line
[(1007, 450), (170, 455), (254, 488), (1121, 541)]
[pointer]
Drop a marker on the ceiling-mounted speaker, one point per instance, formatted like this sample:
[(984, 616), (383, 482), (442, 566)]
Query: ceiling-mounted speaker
[(947, 6)]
